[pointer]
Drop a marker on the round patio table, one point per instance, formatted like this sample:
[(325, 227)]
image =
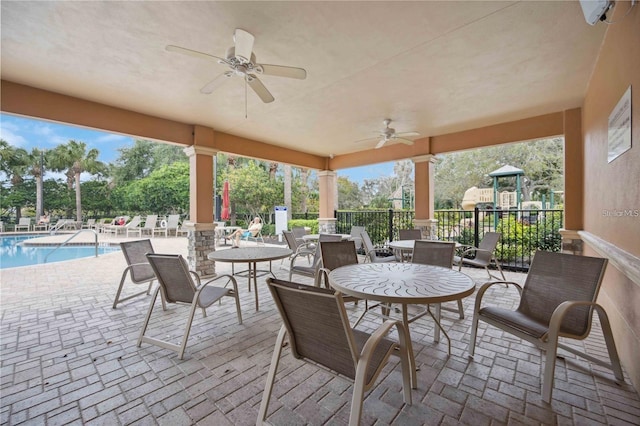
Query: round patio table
[(405, 284), (251, 256)]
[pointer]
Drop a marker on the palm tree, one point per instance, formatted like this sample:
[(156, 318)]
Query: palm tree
[(74, 157), (36, 169), (13, 162)]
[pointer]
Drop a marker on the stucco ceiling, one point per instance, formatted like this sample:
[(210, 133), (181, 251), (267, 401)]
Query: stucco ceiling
[(433, 67)]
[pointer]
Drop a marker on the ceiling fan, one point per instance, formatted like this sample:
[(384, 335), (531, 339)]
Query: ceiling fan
[(389, 134), (242, 62)]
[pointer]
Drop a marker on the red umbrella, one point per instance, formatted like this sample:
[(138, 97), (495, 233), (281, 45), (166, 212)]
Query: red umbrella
[(225, 201)]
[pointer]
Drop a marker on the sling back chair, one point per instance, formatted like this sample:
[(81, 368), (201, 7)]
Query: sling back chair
[(375, 255), (317, 325), (310, 270), (409, 234), (437, 253), (557, 300), (296, 246), (137, 267), (180, 285), (483, 254)]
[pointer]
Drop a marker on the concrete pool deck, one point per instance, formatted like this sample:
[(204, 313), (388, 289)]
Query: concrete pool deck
[(67, 357)]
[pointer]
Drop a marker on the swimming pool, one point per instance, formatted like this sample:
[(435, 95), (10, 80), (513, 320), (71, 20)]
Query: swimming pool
[(14, 254)]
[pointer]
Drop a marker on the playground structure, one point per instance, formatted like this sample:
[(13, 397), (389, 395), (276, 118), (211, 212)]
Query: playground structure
[(505, 200)]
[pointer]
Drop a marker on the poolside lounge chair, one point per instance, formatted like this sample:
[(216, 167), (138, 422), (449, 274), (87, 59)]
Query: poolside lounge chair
[(89, 224), (171, 225), (24, 224), (180, 285), (115, 229), (149, 226), (318, 330), (557, 300), (137, 267)]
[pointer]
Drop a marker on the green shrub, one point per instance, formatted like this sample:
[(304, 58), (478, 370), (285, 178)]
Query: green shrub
[(515, 241), (307, 223)]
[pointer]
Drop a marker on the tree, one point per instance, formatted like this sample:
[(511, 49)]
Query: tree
[(74, 157), (165, 190), (252, 191), (14, 163), (36, 162), (145, 156), (349, 195)]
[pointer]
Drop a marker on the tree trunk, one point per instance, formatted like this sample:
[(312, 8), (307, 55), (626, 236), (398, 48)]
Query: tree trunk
[(304, 177), (287, 190), (78, 199), (39, 200)]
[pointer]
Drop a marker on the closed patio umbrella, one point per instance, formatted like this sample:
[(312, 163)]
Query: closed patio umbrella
[(225, 201)]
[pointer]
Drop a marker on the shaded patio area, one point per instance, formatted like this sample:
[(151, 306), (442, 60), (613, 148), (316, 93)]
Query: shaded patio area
[(69, 358)]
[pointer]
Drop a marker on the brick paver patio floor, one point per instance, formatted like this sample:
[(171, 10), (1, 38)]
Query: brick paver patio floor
[(67, 357)]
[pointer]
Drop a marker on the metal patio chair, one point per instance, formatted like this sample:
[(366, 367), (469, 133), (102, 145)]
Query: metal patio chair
[(180, 285), (484, 254), (317, 325), (138, 269), (557, 300)]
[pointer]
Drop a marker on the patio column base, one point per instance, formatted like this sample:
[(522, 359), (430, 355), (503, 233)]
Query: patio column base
[(327, 225), (571, 242), (201, 242), (428, 228)]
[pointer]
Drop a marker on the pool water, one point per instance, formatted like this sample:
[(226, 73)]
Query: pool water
[(14, 254)]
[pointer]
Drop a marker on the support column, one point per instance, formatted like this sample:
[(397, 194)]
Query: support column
[(201, 237), (328, 185), (571, 242), (573, 170), (573, 182), (424, 196)]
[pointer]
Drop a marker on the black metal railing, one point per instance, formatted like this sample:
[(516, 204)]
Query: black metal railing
[(523, 231)]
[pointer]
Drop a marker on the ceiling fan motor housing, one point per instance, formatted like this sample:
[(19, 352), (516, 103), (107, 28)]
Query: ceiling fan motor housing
[(235, 60)]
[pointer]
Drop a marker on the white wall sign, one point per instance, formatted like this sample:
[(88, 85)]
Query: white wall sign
[(620, 127)]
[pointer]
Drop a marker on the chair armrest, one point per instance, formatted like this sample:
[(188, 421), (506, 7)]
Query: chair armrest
[(307, 248), (474, 249), (374, 340), (486, 286), (197, 278), (296, 255), (230, 279), (320, 274)]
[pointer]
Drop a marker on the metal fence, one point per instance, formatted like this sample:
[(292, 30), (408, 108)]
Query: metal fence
[(523, 231)]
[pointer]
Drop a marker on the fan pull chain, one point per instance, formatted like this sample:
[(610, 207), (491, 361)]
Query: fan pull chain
[(245, 97)]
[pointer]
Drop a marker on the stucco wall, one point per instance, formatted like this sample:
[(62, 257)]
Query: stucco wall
[(615, 186)]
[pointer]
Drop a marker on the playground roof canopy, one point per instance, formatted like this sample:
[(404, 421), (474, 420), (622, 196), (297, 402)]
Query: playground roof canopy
[(506, 170)]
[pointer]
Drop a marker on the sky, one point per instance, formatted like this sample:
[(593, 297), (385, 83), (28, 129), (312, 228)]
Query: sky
[(29, 133)]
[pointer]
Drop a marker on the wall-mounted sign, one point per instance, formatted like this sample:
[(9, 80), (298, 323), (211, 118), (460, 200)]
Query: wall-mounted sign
[(620, 127)]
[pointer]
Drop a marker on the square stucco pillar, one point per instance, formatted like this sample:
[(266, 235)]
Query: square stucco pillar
[(328, 188), (424, 197), (573, 182), (201, 237)]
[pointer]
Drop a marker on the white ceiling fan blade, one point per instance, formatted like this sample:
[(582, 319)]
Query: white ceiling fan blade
[(215, 83), (193, 53), (404, 141), (381, 143), (259, 88), (282, 71), (407, 134), (244, 45)]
